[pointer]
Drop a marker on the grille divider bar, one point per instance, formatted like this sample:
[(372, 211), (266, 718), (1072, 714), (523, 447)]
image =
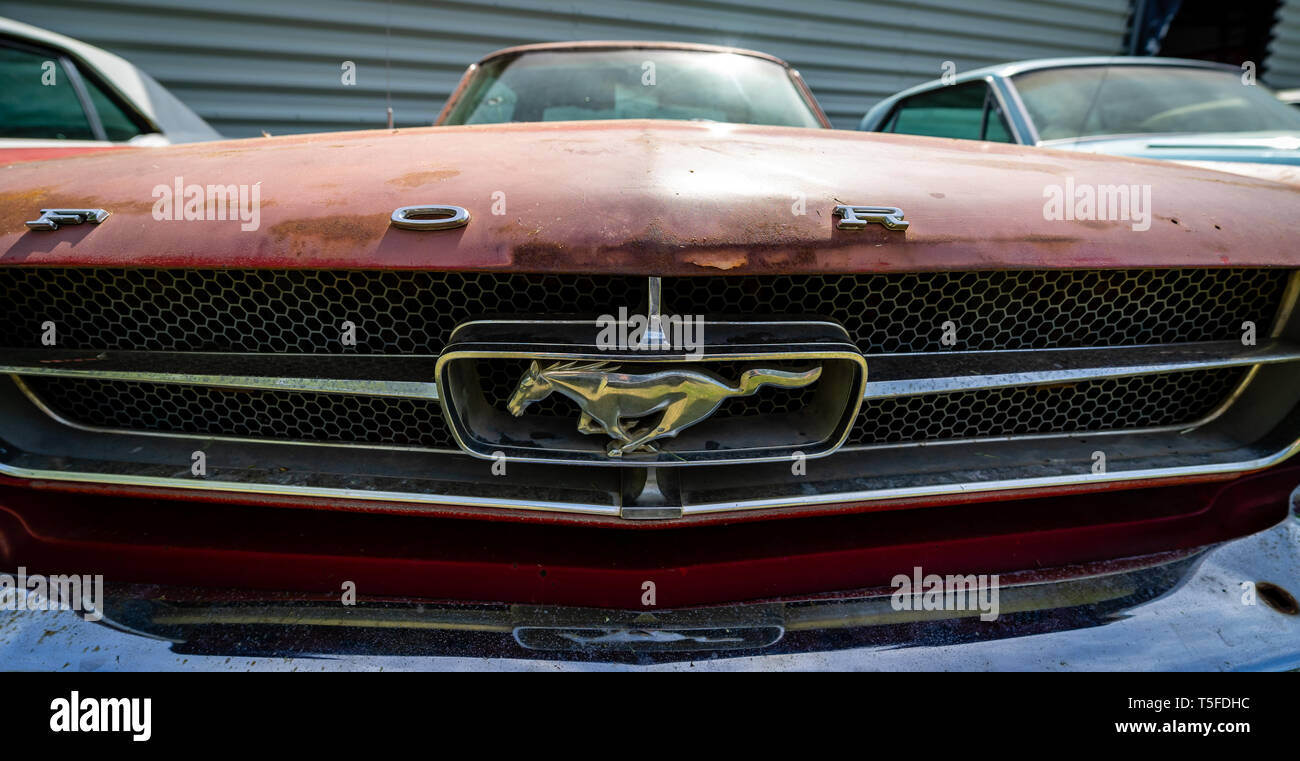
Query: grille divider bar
[(401, 376), (890, 375), (895, 375)]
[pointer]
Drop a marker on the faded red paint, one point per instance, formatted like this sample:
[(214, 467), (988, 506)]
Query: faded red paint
[(17, 155), (640, 197)]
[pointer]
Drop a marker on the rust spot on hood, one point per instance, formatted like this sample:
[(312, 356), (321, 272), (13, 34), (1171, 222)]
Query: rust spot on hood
[(342, 232), (718, 259), (416, 179)]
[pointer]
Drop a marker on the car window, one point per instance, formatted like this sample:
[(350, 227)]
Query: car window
[(965, 112), (996, 130), (118, 124), (632, 84), (1085, 101), (37, 100)]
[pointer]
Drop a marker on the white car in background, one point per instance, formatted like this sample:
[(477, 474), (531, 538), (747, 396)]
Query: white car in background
[(59, 96), (1193, 112)]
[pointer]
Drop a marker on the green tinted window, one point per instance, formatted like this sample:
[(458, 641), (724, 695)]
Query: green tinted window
[(965, 112), (37, 100), (996, 131), (118, 125), (956, 111)]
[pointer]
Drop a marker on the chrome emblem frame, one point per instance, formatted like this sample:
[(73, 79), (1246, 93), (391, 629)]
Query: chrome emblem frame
[(608, 397), (656, 408), (858, 217)]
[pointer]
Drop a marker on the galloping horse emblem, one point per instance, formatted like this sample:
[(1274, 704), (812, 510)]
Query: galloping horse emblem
[(608, 397)]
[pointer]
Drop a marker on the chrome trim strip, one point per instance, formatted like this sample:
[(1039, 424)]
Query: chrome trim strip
[(40, 404), (1224, 405), (1004, 485), (687, 510), (126, 366), (931, 373), (904, 374), (1290, 295), (305, 491)]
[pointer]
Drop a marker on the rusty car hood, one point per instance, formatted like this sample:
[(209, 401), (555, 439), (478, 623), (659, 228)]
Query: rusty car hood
[(639, 197)]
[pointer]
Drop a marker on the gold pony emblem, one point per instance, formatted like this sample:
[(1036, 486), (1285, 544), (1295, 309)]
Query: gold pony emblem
[(608, 397)]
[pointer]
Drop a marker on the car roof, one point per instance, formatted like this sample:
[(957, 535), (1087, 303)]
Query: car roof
[(121, 71), (1039, 64), (628, 45)]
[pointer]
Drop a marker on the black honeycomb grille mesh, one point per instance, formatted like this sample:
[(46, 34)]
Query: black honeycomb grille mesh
[(415, 312), (892, 313), (395, 312), (1105, 405), (286, 416)]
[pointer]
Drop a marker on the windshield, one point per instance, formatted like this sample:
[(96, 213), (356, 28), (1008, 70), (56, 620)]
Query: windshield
[(632, 84), (1087, 101)]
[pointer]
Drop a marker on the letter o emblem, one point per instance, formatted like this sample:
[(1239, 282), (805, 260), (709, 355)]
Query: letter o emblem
[(432, 217)]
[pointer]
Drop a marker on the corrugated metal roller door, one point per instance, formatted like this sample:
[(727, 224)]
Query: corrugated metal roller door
[(274, 65), (1283, 70)]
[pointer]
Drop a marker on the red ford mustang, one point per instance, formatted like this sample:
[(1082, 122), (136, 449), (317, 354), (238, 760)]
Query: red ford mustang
[(630, 333)]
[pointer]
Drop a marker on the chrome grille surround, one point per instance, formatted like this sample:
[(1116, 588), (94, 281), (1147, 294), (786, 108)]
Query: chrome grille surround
[(38, 442)]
